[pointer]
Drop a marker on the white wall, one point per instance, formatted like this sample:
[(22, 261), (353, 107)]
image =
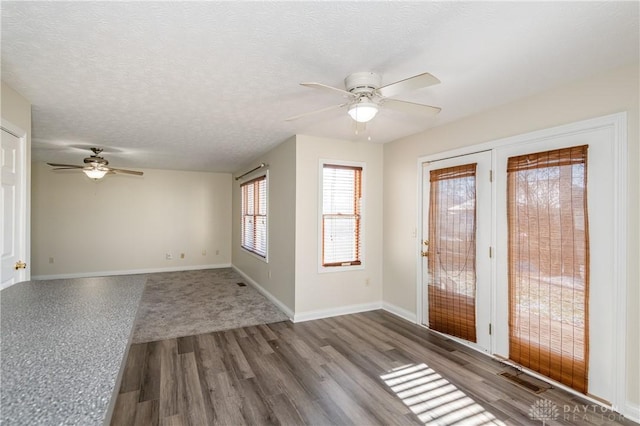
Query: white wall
[(16, 110), (336, 291), (125, 223), (277, 276), (608, 93)]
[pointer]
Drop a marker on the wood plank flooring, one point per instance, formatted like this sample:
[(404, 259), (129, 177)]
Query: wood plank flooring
[(363, 369)]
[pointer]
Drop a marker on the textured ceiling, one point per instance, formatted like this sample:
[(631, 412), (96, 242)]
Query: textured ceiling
[(207, 85)]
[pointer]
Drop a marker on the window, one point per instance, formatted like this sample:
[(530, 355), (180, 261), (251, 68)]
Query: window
[(254, 216), (341, 215)]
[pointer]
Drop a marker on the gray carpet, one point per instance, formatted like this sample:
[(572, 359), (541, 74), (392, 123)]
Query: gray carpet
[(176, 304)]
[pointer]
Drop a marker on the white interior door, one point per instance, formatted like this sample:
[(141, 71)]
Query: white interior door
[(456, 263), (12, 199)]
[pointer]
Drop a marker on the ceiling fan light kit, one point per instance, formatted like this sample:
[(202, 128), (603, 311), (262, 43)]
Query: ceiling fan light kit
[(363, 111), (363, 86), (94, 172), (366, 97)]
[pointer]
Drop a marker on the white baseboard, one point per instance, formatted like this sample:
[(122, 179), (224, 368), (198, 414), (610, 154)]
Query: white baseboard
[(284, 308), (333, 312), (310, 315), (400, 312), (128, 272), (632, 412)]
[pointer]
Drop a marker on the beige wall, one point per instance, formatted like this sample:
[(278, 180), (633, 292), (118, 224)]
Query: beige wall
[(16, 111), (336, 290), (277, 276), (291, 275), (126, 223), (599, 95)]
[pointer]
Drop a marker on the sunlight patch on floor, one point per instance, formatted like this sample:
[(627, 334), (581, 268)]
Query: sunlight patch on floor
[(434, 399)]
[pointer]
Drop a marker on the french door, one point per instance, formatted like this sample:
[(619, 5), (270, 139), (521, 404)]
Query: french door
[(539, 260), (554, 289), (455, 247)]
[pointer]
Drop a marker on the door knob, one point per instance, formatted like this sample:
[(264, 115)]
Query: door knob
[(20, 265)]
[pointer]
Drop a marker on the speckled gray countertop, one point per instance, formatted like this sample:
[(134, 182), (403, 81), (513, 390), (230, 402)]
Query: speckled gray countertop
[(62, 346)]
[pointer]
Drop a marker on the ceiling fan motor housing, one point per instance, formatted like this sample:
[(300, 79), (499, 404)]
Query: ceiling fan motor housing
[(362, 83), (96, 160)]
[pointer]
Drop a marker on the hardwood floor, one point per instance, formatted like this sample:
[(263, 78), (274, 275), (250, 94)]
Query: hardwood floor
[(362, 369)]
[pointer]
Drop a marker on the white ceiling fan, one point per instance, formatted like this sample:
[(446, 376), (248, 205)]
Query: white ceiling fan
[(96, 167), (365, 96)]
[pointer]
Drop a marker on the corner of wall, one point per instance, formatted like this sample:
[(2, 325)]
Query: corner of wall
[(277, 276)]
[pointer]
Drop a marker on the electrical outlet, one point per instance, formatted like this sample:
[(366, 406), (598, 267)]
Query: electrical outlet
[(51, 260), (181, 255), (168, 256), (217, 252), (204, 252), (366, 282)]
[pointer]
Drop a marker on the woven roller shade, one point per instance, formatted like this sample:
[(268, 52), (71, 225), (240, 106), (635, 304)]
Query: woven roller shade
[(452, 251), (548, 253)]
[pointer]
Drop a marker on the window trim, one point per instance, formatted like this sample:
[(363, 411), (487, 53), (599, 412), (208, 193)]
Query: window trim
[(363, 212), (248, 180)]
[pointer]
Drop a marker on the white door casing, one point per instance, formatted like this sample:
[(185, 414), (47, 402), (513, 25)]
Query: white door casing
[(607, 215), (13, 206)]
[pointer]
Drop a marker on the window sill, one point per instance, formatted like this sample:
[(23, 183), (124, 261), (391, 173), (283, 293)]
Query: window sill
[(257, 256), (345, 268)]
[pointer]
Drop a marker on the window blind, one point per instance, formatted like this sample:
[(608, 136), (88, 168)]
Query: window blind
[(452, 251), (341, 215), (254, 216), (548, 247)]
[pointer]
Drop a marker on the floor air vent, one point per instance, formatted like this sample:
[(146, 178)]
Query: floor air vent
[(524, 381), (241, 284)]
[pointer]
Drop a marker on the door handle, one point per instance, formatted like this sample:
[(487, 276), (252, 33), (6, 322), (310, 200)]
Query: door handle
[(425, 254), (20, 265)]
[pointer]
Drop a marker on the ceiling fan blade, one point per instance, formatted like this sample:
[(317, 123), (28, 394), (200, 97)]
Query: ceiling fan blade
[(328, 88), (69, 166), (295, 117), (66, 168), (129, 172), (408, 84), (411, 108)]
